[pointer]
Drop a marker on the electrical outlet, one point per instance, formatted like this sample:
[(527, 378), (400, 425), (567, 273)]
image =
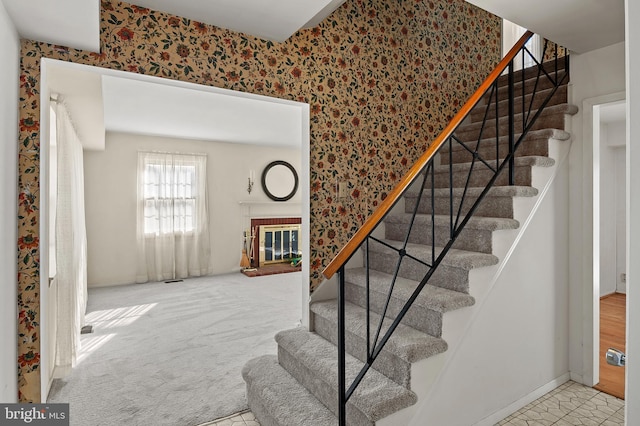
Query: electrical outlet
[(343, 189), (623, 277)]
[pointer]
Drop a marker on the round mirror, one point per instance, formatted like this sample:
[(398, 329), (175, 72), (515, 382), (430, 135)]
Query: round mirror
[(279, 181)]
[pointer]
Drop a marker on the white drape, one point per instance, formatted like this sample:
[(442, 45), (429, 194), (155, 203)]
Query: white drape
[(173, 218), (70, 242)]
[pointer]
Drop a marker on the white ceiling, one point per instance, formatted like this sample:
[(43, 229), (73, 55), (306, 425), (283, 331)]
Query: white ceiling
[(122, 102), (82, 93), (133, 106), (580, 25), (71, 23), (274, 20), (76, 23)]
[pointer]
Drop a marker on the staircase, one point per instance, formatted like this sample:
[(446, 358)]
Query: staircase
[(300, 385)]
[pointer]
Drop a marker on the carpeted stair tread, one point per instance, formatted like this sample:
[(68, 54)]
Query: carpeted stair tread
[(531, 73), (427, 312), (405, 346), (313, 361), (481, 111), (476, 222), (462, 259), (277, 399), (529, 161), (529, 84), (498, 202), (477, 235), (406, 342), (551, 117), (434, 298), (556, 134), (564, 108), (496, 191)]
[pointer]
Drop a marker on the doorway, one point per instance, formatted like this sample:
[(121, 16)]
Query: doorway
[(609, 241), (300, 127)]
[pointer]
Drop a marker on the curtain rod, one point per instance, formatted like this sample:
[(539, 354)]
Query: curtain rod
[(203, 154)]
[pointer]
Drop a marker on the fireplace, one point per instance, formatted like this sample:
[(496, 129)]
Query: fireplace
[(279, 243), (278, 240)]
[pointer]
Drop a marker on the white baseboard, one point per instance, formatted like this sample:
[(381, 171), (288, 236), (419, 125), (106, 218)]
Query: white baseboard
[(578, 378), (527, 399)]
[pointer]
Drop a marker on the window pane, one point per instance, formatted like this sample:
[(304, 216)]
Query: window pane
[(294, 243), (268, 246), (286, 254), (169, 193), (277, 245)]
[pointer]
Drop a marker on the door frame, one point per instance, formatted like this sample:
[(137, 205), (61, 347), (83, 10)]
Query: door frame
[(591, 253), (304, 110)]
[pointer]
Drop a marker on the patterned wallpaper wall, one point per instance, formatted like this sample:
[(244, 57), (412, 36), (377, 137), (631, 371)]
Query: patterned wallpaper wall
[(381, 77)]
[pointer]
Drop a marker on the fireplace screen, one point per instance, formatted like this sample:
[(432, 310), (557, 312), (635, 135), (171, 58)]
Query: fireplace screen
[(279, 243)]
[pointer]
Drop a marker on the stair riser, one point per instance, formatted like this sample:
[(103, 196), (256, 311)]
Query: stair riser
[(323, 391), (539, 147), (426, 320), (277, 399), (530, 74), (480, 177), (469, 239), (478, 114), (449, 277), (471, 132), (386, 363), (503, 90), (489, 207), (254, 401)]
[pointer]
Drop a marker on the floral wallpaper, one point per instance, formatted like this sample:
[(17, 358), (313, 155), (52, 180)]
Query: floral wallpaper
[(381, 77)]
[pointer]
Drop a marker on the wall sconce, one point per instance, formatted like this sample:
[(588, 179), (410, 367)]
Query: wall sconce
[(251, 179)]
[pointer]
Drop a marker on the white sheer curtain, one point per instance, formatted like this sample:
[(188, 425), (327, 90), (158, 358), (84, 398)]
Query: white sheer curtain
[(70, 242), (173, 217)]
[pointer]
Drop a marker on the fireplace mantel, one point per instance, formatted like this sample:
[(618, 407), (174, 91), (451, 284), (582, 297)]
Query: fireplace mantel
[(268, 202)]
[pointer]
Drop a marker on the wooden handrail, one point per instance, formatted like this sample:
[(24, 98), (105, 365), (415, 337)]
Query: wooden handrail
[(358, 238)]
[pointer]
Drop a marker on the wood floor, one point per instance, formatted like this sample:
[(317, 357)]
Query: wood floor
[(612, 335)]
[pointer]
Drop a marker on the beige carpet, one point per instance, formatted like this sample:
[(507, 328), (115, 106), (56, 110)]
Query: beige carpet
[(171, 354)]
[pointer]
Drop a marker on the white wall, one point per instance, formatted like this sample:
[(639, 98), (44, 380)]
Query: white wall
[(9, 75), (517, 341), (610, 166), (632, 411), (593, 74), (621, 218), (110, 194)]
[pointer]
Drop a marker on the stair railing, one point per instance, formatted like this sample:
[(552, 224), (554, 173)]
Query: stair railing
[(521, 118)]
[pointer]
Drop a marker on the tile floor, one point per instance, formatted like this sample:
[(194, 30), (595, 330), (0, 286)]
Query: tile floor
[(568, 405), (240, 419)]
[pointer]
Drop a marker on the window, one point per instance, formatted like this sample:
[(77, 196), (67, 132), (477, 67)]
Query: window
[(170, 192), (173, 219), (169, 198)]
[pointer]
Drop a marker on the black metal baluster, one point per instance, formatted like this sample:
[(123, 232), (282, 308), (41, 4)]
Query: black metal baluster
[(524, 81), (433, 210), (450, 191), (497, 89), (511, 125), (342, 401), (366, 265)]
